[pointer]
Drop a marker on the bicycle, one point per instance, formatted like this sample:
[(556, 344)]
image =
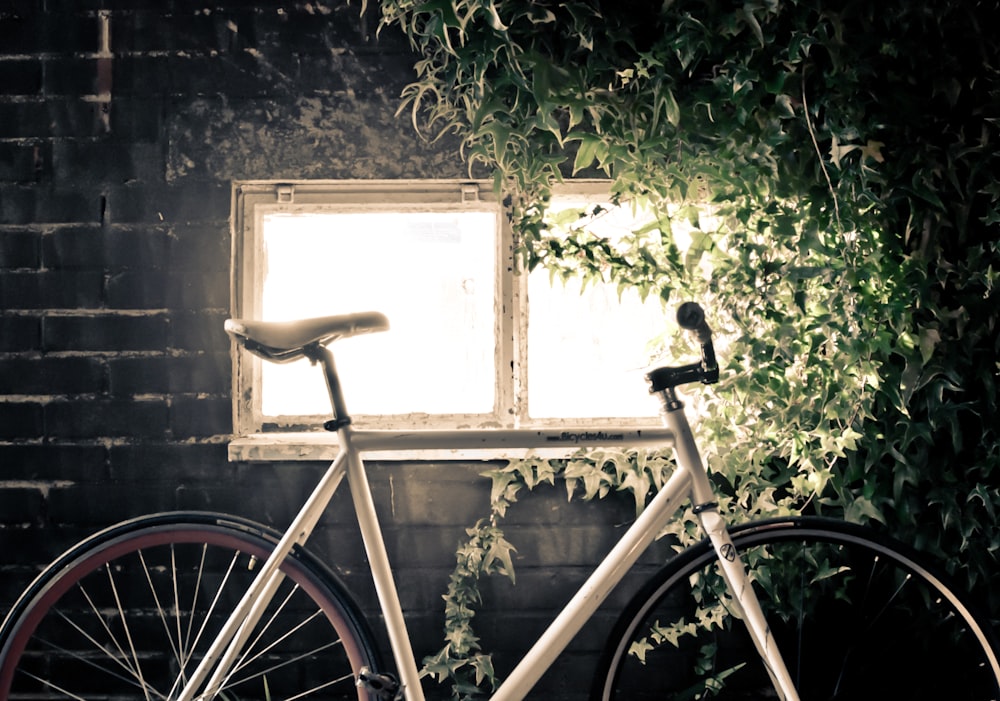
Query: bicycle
[(184, 606)]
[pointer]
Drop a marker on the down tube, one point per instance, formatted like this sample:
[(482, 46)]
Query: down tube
[(596, 589)]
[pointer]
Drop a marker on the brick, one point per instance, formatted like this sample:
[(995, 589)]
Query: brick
[(197, 202), (106, 418), (19, 249), (104, 333), (204, 374), (244, 75), (33, 30), (26, 551), (24, 161), (70, 247), (218, 498), (196, 418), (21, 420), (137, 119), (20, 333), (137, 248), (17, 202), (198, 331), (139, 76), (107, 162), (433, 546), (19, 31), (47, 375), (95, 246), (157, 290), (323, 73), (143, 30), (67, 75), (20, 505), (342, 31), (53, 462), (100, 503), (172, 462), (549, 505), (54, 205), (20, 76), (52, 118), (295, 481), (51, 290), (200, 247), (433, 499)]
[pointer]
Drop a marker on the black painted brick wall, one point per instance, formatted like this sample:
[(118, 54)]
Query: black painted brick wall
[(115, 195)]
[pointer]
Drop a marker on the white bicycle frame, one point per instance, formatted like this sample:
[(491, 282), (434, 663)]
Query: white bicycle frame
[(689, 481)]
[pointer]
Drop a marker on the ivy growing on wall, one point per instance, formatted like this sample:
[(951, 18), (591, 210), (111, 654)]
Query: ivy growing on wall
[(838, 164)]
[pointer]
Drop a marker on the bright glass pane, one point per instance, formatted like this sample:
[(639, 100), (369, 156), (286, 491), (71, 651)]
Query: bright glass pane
[(431, 273), (587, 351)]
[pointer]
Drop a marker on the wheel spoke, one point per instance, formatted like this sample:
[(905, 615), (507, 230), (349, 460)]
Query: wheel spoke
[(138, 605), (278, 665), (131, 678), (181, 678), (128, 633), (853, 617), (160, 611), (315, 689), (121, 658), (55, 687)]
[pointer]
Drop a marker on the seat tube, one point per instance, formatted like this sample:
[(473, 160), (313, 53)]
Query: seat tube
[(730, 564), (378, 561)]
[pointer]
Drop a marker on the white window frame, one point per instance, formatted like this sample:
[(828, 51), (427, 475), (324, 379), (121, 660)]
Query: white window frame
[(254, 199)]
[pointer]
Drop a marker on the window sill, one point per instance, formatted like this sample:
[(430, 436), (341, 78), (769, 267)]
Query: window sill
[(323, 446)]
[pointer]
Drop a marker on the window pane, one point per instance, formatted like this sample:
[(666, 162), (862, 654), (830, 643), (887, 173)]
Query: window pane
[(587, 352), (431, 273)]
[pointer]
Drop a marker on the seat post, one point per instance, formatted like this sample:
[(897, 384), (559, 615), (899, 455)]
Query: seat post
[(324, 356)]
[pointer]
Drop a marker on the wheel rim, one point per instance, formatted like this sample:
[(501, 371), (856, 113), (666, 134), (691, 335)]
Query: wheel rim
[(132, 618), (896, 634)]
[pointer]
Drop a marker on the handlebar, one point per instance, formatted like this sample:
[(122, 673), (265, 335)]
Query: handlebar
[(691, 317)]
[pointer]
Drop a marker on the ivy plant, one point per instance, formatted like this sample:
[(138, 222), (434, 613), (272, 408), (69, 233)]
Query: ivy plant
[(834, 169), (462, 661)]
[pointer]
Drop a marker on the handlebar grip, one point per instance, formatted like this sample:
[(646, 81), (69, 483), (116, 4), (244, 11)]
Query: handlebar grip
[(691, 317)]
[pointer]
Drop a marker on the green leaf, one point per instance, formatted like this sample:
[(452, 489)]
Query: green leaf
[(673, 110), (752, 22), (591, 148), (499, 558), (929, 340)]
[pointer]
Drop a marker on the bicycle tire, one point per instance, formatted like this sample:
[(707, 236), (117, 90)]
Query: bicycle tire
[(855, 615), (129, 611)]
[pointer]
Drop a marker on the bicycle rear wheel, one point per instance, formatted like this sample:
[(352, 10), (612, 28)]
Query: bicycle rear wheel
[(854, 615), (129, 613)]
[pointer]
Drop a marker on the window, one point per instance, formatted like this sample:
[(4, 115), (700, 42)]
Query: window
[(473, 342)]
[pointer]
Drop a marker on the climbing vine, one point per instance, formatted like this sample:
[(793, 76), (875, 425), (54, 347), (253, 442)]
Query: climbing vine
[(821, 177), (462, 661)]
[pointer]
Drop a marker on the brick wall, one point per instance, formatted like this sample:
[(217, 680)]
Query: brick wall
[(122, 127)]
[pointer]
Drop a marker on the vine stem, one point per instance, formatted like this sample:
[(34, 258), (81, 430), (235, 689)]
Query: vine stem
[(819, 154)]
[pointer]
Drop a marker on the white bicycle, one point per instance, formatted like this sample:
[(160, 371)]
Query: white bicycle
[(183, 606)]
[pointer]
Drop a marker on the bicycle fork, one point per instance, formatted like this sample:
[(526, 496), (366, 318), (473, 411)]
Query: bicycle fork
[(730, 564)]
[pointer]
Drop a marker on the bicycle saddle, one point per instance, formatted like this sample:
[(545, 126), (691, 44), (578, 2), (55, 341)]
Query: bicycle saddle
[(285, 340)]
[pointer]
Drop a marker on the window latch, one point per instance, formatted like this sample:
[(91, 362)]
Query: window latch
[(285, 193)]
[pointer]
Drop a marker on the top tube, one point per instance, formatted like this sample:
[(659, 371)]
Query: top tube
[(471, 439)]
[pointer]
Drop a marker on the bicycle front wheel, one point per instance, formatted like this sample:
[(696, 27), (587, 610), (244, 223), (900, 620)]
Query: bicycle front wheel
[(130, 612), (855, 617)]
